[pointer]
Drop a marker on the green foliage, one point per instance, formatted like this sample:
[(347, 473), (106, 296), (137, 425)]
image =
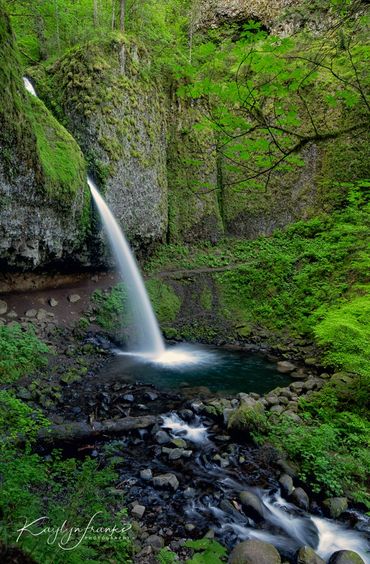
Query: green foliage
[(269, 97), (62, 491), (166, 556), (344, 333), (59, 490), (165, 302), (207, 551), (287, 283), (332, 453), (110, 307), (21, 352)]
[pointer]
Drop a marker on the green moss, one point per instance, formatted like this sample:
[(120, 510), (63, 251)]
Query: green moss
[(192, 179), (60, 157), (165, 302), (206, 299)]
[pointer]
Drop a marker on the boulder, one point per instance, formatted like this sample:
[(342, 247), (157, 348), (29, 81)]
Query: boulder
[(146, 474), (251, 503), (73, 298), (3, 307), (166, 480), (254, 552), (306, 555), (155, 541), (277, 409), (300, 498), (53, 302), (286, 483), (336, 506), (284, 366), (31, 313), (162, 437), (346, 557)]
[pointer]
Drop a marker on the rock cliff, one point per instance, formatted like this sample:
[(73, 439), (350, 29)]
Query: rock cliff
[(44, 206)]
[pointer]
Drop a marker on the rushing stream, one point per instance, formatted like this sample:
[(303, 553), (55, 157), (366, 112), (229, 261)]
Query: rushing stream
[(280, 523)]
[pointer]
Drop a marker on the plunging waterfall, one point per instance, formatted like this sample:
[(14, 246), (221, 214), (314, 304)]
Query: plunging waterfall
[(148, 338)]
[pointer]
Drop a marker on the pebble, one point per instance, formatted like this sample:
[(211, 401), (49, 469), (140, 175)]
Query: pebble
[(128, 397), (53, 302), (73, 298), (284, 366), (146, 474), (155, 541), (138, 511), (12, 314)]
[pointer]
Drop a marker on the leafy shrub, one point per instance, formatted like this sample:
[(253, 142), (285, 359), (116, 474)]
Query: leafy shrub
[(68, 491), (208, 551), (344, 333), (21, 352), (333, 456)]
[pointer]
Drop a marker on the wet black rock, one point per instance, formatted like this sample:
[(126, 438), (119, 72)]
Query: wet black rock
[(300, 498), (162, 437), (251, 503), (166, 480), (253, 552), (286, 483)]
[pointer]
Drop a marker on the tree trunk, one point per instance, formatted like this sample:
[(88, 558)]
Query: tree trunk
[(77, 431), (122, 9), (96, 13), (39, 28)]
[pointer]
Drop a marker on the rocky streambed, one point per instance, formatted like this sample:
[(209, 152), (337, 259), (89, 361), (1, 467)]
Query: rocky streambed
[(184, 471), (184, 475)]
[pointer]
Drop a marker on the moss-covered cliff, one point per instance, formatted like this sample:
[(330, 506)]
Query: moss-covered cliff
[(101, 93), (43, 198)]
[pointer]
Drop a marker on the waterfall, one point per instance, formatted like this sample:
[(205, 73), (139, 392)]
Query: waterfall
[(29, 86), (149, 337)]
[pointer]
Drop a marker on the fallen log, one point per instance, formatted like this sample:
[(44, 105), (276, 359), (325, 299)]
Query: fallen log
[(76, 431)]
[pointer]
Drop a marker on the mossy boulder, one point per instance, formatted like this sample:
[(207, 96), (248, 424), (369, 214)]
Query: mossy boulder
[(102, 94), (253, 551)]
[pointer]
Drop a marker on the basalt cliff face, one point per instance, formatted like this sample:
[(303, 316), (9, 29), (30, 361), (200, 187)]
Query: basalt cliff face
[(161, 176)]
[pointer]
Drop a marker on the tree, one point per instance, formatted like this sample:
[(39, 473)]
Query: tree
[(268, 97)]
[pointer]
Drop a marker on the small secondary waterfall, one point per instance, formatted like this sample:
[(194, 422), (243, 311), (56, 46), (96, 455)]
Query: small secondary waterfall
[(29, 86), (149, 337)]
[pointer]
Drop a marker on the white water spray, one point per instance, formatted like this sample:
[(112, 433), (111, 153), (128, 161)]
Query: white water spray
[(29, 86), (149, 337)]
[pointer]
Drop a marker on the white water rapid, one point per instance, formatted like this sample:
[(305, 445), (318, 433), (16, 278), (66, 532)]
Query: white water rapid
[(148, 339)]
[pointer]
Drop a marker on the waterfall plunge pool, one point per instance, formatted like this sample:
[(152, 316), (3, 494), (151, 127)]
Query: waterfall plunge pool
[(219, 369)]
